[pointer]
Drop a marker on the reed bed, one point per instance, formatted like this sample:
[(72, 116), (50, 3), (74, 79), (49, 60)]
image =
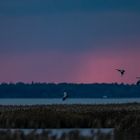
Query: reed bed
[(121, 116)]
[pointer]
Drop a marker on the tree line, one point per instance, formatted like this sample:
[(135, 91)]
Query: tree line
[(53, 90)]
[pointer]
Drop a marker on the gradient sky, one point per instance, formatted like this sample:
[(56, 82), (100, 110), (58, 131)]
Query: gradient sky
[(69, 40)]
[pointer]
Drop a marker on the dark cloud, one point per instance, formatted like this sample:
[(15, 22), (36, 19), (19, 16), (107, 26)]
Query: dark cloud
[(67, 24), (73, 31)]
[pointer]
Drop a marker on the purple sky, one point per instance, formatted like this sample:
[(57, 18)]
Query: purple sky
[(69, 41)]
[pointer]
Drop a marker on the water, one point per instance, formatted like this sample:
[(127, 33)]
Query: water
[(60, 132), (68, 101)]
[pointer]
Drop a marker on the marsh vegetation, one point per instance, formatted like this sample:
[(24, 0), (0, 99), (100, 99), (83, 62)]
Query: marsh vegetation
[(123, 116)]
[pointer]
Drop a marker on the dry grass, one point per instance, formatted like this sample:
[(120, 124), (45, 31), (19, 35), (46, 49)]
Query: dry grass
[(121, 116)]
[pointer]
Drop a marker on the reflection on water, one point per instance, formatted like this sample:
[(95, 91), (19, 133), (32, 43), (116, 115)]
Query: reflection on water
[(67, 134), (68, 101), (82, 131), (57, 134)]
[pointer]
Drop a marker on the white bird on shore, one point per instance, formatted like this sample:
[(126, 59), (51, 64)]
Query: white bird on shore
[(65, 96)]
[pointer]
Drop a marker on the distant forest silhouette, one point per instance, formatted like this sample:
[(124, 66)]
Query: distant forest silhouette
[(52, 90)]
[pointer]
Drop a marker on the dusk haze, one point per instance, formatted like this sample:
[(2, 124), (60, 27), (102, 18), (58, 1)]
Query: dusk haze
[(78, 41), (69, 69)]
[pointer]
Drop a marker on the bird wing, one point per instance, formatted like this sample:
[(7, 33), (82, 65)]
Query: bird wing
[(118, 70)]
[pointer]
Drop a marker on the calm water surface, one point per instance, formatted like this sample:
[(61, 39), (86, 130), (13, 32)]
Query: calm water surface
[(68, 101), (58, 132)]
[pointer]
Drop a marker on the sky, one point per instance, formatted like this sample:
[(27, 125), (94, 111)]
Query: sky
[(81, 41)]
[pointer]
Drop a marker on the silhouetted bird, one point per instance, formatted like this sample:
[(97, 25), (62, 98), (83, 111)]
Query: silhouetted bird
[(138, 82), (121, 71), (65, 96)]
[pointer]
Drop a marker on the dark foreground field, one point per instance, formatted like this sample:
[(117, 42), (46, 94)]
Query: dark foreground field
[(124, 118)]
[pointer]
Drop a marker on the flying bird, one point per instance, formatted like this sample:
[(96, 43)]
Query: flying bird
[(122, 71), (138, 82), (65, 96)]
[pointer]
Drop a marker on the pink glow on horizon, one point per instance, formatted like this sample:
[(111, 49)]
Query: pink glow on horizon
[(87, 67), (100, 68), (40, 67)]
